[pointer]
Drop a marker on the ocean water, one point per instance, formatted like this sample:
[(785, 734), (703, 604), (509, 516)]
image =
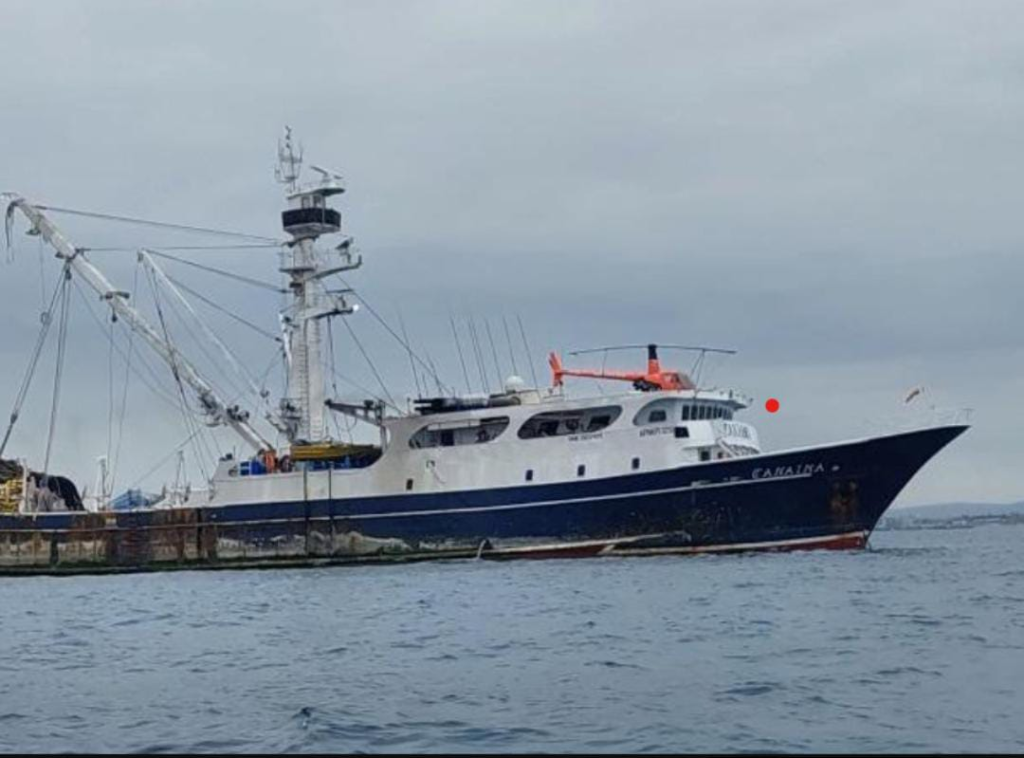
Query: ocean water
[(914, 645)]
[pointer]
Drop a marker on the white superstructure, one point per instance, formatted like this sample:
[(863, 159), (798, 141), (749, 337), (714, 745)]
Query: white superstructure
[(543, 437)]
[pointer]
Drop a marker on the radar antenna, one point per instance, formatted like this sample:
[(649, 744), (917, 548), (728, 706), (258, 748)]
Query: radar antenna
[(328, 175)]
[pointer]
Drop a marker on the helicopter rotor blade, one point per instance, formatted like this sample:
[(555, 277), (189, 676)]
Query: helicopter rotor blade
[(695, 348)]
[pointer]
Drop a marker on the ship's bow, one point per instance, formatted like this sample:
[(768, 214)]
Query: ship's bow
[(883, 466)]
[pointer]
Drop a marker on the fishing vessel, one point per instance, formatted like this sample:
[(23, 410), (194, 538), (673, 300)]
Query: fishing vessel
[(658, 465)]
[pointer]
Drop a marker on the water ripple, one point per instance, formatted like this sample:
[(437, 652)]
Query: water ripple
[(911, 646)]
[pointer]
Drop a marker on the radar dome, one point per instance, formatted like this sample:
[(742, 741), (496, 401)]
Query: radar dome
[(515, 384)]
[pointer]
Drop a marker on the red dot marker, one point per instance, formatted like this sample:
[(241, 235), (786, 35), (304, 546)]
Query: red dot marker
[(772, 405)]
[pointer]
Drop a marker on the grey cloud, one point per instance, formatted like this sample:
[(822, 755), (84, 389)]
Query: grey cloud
[(832, 188)]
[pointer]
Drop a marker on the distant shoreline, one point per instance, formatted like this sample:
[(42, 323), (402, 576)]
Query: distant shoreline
[(1010, 513)]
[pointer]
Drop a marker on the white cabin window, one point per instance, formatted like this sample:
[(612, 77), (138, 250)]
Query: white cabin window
[(462, 432), (657, 412), (562, 423)]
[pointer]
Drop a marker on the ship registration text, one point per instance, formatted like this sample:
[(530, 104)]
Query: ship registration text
[(806, 469)]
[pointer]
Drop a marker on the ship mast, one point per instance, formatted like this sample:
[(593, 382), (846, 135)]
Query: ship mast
[(308, 217)]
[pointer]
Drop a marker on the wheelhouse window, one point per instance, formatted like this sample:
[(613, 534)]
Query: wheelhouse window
[(705, 411), (657, 412), (461, 432), (563, 423)]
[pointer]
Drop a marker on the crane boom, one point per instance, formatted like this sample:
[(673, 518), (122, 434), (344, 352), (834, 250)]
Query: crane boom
[(215, 407)]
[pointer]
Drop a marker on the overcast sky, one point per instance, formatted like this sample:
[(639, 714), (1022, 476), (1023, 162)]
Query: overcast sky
[(833, 189)]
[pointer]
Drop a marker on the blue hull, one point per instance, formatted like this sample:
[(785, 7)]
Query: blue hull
[(829, 496)]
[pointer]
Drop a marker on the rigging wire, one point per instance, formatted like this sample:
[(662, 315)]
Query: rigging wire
[(529, 355), (348, 422), (42, 275), (366, 356), (392, 332), (412, 365), (216, 306), (334, 383), (218, 271), (479, 355), (160, 224), (226, 248), (458, 347), (164, 460), (154, 386), (110, 397), (58, 373), (204, 349), (369, 393), (508, 340), (494, 352), (46, 319), (264, 393), (211, 336), (190, 423), (440, 390), (124, 392)]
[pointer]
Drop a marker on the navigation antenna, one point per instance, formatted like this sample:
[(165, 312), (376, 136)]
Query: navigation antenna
[(289, 161)]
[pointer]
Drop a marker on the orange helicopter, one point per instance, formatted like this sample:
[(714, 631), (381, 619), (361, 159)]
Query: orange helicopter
[(654, 379)]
